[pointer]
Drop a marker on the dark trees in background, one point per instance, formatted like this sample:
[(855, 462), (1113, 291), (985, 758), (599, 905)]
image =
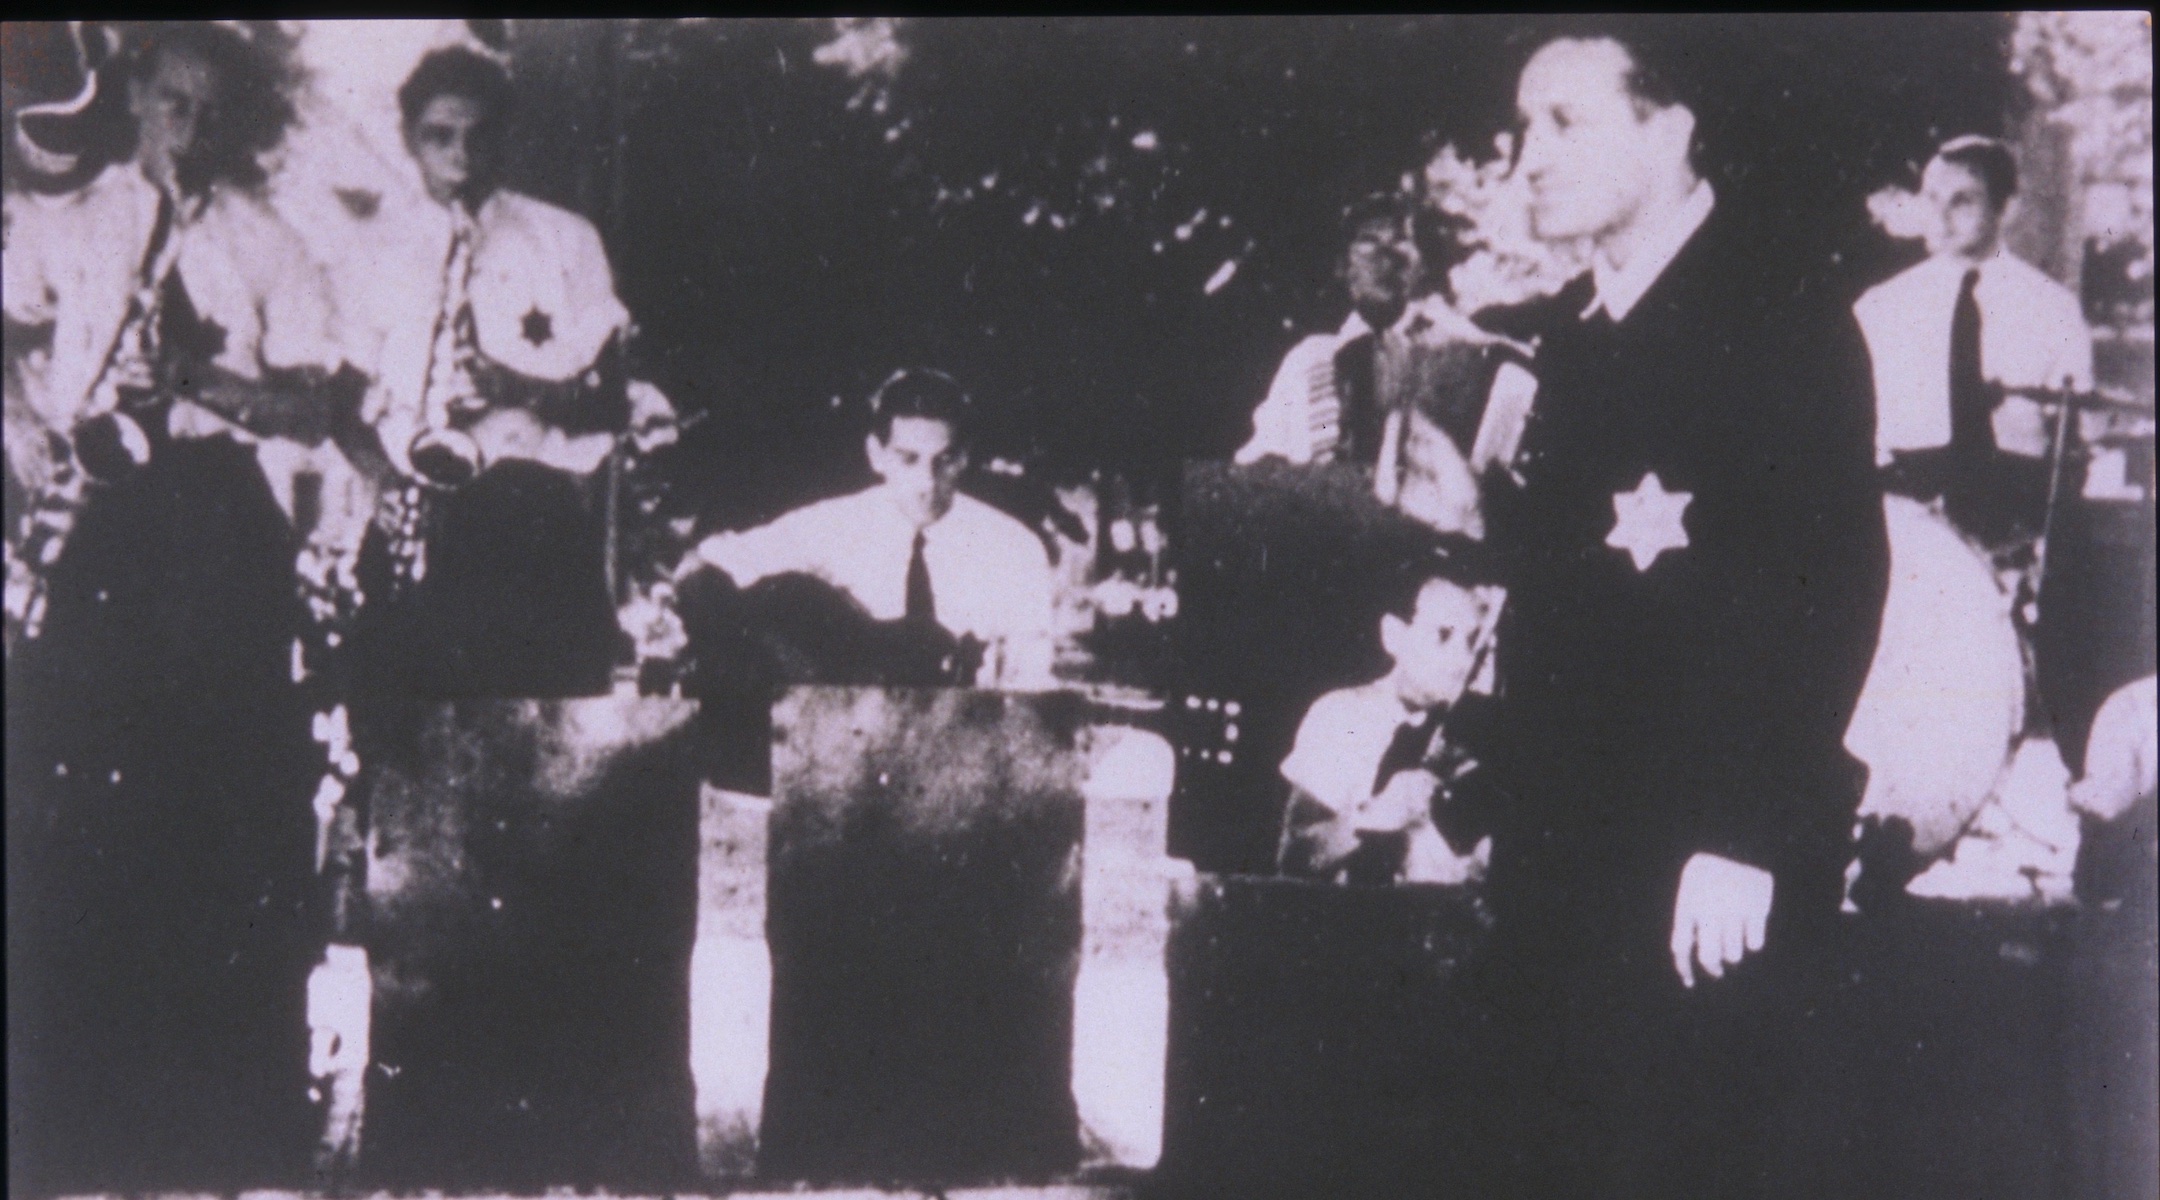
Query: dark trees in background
[(1111, 228)]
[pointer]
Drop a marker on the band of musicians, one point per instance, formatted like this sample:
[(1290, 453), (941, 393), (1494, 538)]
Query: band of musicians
[(1663, 624)]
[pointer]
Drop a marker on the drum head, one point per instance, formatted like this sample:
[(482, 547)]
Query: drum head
[(1946, 694)]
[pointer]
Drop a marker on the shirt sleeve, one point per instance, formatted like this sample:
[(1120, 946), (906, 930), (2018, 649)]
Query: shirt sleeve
[(542, 293), (592, 282), (1315, 763), (2073, 362), (29, 291), (299, 314), (1282, 423), (2122, 764), (749, 555), (1030, 649)]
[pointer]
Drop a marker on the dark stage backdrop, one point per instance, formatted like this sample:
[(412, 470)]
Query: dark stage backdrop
[(1112, 228)]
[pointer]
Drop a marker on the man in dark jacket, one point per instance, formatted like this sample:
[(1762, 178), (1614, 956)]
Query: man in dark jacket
[(1698, 566)]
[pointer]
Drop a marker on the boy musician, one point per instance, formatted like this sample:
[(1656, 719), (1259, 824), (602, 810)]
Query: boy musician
[(1375, 766)]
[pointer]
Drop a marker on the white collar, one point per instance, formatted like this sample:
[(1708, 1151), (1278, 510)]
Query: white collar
[(1382, 696), (889, 505), (129, 176), (1426, 310), (1955, 265), (1620, 289)]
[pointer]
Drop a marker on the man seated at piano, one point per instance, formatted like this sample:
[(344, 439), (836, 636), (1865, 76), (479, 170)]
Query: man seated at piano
[(1401, 389), (1383, 776), (909, 582)]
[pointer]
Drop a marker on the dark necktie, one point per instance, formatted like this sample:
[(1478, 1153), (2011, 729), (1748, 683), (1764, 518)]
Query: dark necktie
[(161, 321), (1357, 390), (1972, 433), (160, 232), (1407, 748), (134, 346), (180, 327), (921, 605)]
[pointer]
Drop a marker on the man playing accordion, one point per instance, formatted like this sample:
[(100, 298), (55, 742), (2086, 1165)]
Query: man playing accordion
[(1402, 389)]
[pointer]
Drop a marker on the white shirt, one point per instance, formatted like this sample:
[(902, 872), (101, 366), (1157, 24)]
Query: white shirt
[(542, 294), (71, 262), (989, 575), (2032, 334), (1620, 289), (1341, 740), (2122, 756)]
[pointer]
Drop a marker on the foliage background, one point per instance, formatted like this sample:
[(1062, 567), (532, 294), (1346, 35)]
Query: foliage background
[(1112, 228)]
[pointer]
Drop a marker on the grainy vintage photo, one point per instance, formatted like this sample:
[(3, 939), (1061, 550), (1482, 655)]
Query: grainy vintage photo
[(1129, 608)]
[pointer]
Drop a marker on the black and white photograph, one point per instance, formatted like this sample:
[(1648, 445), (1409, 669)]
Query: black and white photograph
[(1082, 608)]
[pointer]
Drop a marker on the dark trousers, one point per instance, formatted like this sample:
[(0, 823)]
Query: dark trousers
[(160, 844), (1611, 1079)]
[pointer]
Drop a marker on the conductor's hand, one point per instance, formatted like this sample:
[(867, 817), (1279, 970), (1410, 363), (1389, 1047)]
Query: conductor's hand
[(1720, 915), (1405, 801)]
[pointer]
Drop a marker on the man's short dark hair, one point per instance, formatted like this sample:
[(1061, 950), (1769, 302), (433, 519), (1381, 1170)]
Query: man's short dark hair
[(921, 392), (1448, 558), (1664, 63), (457, 71), (1990, 162), (1392, 209)]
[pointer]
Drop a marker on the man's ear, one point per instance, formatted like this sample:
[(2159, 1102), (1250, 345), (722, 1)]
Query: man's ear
[(1392, 631), (1675, 125), (874, 451), (2009, 213)]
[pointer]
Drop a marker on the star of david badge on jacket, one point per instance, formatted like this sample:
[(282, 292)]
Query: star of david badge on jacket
[(1647, 521), (538, 327)]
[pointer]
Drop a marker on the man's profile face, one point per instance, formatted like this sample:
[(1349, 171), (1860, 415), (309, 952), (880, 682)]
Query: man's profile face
[(169, 108), (1435, 651), (1380, 270), (1967, 220), (921, 464), (1590, 150), (449, 141)]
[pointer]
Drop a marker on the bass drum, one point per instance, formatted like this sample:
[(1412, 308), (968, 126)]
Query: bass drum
[(1945, 698)]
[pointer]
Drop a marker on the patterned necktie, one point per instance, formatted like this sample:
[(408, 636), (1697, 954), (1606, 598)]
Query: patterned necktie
[(452, 350), (402, 514), (1406, 749), (921, 605), (1972, 432), (131, 365)]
